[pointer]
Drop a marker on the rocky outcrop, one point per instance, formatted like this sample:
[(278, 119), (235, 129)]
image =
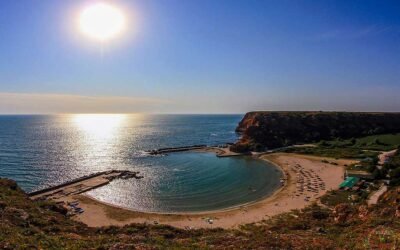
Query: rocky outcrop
[(363, 212), (341, 213), (267, 130)]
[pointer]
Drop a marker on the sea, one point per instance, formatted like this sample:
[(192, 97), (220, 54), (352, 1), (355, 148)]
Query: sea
[(39, 151)]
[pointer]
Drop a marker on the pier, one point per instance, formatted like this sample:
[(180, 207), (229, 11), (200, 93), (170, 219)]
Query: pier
[(176, 149), (219, 150), (82, 184)]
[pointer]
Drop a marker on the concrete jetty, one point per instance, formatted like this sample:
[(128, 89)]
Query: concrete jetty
[(219, 150), (82, 184), (176, 149)]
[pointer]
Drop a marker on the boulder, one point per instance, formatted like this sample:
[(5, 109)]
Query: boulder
[(341, 212), (363, 212)]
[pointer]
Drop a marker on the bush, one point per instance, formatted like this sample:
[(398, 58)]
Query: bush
[(240, 148), (395, 173), (320, 214)]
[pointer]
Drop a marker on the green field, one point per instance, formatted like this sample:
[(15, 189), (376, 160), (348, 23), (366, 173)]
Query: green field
[(334, 152), (355, 148), (384, 142)]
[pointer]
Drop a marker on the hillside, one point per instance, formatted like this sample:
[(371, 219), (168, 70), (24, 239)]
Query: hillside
[(267, 130), (342, 223)]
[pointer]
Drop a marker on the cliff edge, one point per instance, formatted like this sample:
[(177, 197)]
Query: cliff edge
[(267, 130)]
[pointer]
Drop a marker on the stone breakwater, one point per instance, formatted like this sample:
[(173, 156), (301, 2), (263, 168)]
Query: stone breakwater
[(176, 149), (82, 184)]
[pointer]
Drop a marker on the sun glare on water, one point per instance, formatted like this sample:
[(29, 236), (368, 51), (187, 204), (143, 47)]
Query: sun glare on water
[(101, 21), (99, 126)]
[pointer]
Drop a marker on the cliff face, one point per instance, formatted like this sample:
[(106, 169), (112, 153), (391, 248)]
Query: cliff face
[(261, 130)]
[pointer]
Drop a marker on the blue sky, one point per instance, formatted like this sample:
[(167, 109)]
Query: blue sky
[(202, 57)]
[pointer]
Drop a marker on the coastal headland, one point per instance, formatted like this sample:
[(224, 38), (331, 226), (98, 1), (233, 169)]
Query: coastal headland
[(306, 177), (263, 130), (306, 212)]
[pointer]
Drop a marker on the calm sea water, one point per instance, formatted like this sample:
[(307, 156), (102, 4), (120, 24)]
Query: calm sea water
[(39, 151)]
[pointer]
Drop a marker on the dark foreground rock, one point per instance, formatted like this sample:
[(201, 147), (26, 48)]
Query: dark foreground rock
[(27, 224)]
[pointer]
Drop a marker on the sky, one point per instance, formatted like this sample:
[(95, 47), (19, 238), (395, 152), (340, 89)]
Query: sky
[(202, 56)]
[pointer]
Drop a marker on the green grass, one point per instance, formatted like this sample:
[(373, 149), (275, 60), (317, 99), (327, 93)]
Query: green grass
[(379, 142), (393, 168), (334, 198), (356, 148), (333, 152), (383, 142)]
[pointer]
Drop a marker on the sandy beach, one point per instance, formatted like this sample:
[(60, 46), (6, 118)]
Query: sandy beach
[(306, 179)]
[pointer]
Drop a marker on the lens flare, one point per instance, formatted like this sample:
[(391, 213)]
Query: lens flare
[(102, 21)]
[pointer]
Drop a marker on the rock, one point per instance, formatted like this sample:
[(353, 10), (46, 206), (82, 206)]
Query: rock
[(18, 212), (122, 246), (397, 213), (3, 205), (341, 212), (386, 211), (320, 230), (59, 209), (9, 183), (53, 219), (240, 147), (363, 212), (320, 214)]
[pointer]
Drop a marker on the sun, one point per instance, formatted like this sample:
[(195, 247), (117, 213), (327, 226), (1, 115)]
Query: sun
[(101, 21)]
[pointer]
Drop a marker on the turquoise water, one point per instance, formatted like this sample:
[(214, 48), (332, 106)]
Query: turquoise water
[(40, 151), (189, 182)]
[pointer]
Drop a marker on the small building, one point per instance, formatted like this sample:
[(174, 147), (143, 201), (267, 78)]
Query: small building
[(359, 174), (349, 182)]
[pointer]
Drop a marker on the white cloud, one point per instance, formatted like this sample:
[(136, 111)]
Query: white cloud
[(43, 103), (349, 99)]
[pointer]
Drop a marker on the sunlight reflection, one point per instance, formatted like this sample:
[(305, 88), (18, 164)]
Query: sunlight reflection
[(99, 126)]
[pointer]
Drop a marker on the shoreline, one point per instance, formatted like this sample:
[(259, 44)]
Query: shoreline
[(284, 199), (222, 210), (220, 152)]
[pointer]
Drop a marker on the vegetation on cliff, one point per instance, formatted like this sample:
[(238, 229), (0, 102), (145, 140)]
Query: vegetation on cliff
[(392, 169), (267, 130), (341, 223), (354, 150)]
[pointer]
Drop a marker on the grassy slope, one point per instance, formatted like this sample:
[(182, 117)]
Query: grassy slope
[(26, 224), (392, 168), (383, 142), (333, 152), (356, 148)]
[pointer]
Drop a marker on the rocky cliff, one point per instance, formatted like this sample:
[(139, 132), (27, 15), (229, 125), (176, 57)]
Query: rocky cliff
[(267, 130)]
